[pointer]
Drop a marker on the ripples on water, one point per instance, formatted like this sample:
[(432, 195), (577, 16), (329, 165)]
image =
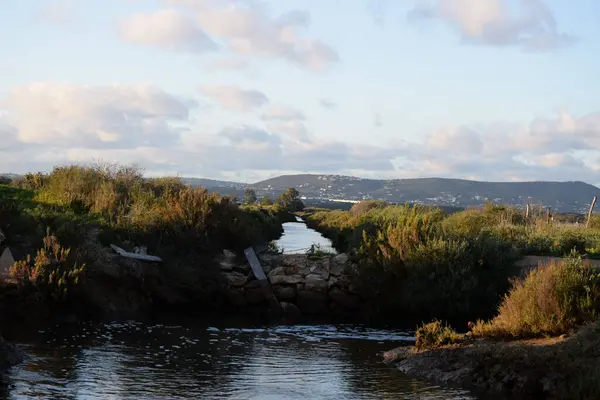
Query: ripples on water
[(138, 361)]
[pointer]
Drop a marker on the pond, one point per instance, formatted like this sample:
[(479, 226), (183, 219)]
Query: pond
[(297, 238), (137, 360)]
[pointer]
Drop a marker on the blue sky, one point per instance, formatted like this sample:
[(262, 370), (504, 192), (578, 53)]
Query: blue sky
[(249, 89)]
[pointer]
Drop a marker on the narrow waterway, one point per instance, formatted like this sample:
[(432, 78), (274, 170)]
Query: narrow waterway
[(223, 359), (297, 238)]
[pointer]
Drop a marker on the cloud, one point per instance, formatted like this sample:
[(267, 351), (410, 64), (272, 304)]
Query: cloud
[(547, 148), (531, 26), (243, 27), (235, 98), (168, 29), (58, 11), (229, 63), (283, 114), (94, 116), (327, 103)]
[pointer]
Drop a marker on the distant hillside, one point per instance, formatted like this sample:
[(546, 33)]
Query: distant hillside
[(329, 190), (562, 196)]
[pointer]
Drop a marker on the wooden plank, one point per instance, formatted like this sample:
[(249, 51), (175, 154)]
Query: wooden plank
[(143, 257), (265, 284), (257, 269)]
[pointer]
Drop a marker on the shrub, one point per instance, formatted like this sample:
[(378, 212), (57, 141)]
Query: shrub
[(52, 270), (365, 206), (550, 300), (435, 334)]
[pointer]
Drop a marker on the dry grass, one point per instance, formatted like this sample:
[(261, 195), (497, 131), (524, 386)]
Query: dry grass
[(550, 300)]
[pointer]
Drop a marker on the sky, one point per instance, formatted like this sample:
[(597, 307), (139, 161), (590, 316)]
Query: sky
[(244, 90)]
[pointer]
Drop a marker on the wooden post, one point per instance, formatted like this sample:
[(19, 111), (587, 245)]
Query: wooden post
[(548, 215), (587, 224), (527, 212)]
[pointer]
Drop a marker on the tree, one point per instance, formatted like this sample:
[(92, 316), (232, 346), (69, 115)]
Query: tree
[(249, 196), (266, 201), (290, 201)]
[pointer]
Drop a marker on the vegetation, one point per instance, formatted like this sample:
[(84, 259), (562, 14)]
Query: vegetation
[(435, 334), (52, 271), (186, 226), (552, 299), (421, 262)]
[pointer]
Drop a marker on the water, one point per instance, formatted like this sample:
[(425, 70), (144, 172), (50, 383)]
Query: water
[(135, 360), (297, 238)]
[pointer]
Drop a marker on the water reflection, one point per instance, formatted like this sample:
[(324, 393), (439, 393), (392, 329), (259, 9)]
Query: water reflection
[(297, 238), (140, 361)]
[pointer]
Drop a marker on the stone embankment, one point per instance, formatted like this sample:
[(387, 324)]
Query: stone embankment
[(310, 285)]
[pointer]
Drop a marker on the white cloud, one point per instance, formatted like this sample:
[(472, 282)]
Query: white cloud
[(283, 114), (235, 98), (530, 24), (243, 27), (94, 116), (168, 29)]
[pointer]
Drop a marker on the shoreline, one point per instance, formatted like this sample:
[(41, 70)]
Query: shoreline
[(562, 367)]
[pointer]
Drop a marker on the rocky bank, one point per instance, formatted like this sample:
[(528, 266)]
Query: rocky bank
[(553, 368)]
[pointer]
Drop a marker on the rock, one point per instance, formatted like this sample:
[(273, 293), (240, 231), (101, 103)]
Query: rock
[(336, 268), (332, 281), (341, 259), (304, 271), (9, 354), (235, 279), (228, 254), (285, 292), (291, 313), (286, 279), (312, 302), (284, 270), (168, 295), (320, 269), (347, 300), (315, 283)]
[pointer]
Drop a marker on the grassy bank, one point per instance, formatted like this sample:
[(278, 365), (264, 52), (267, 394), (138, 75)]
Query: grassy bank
[(54, 217), (542, 342), (422, 262)]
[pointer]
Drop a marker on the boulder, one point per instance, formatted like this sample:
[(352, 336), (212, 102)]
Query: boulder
[(347, 300), (341, 258), (283, 292), (286, 279), (336, 268), (315, 283), (313, 303), (321, 269), (235, 279)]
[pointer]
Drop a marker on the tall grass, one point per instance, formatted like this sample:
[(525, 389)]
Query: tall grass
[(550, 300), (420, 261)]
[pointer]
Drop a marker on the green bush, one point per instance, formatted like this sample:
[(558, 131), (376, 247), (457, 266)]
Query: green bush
[(435, 334)]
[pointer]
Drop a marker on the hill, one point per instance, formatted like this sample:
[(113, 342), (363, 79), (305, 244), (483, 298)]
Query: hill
[(563, 196)]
